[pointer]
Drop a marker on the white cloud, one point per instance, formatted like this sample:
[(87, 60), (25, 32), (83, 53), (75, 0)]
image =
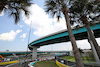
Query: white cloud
[(2, 13), (41, 22), (98, 41), (23, 35), (18, 31), (83, 44), (10, 36)]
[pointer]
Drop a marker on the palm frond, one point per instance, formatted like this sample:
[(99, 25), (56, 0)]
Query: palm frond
[(84, 8), (14, 7), (17, 18), (54, 7)]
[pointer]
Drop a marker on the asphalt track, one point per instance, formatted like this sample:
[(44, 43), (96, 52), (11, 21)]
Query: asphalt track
[(25, 64), (3, 65), (20, 64)]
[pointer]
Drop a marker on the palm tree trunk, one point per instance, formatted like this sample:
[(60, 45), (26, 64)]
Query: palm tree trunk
[(93, 40), (78, 59)]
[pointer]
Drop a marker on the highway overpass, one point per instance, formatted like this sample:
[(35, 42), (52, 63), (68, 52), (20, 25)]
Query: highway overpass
[(63, 36), (24, 52)]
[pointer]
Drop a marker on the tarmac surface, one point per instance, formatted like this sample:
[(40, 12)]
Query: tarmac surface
[(3, 65), (25, 64)]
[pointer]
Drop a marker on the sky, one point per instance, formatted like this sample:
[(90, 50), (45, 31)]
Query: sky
[(14, 37)]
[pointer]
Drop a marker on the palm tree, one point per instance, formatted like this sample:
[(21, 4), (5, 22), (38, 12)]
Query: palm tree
[(14, 7), (55, 7), (81, 51), (85, 12)]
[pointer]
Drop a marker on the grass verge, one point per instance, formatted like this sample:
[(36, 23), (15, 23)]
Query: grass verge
[(85, 59), (51, 63)]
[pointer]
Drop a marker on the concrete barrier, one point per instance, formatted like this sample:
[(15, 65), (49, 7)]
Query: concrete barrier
[(10, 62), (61, 65)]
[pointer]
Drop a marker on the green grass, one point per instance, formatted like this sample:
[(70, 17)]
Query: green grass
[(45, 55), (46, 64), (71, 58), (87, 59)]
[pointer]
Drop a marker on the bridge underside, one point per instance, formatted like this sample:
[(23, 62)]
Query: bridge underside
[(79, 36)]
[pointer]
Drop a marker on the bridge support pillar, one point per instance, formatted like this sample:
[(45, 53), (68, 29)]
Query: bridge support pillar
[(34, 55), (94, 50)]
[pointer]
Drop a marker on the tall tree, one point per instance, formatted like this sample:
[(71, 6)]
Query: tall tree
[(86, 12), (14, 8), (81, 51), (56, 7)]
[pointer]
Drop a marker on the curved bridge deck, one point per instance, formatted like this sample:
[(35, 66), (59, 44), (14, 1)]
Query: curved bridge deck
[(63, 36)]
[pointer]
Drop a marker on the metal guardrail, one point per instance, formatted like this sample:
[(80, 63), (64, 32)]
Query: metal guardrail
[(69, 63), (66, 62)]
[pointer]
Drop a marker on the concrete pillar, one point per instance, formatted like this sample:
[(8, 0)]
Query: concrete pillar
[(34, 55), (94, 50)]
